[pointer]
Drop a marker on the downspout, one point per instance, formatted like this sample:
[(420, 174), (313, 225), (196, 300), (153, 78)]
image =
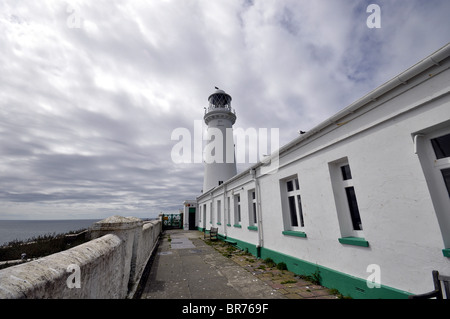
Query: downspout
[(415, 142), (225, 210), (258, 213)]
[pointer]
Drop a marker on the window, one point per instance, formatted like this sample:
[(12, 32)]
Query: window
[(433, 150), (211, 216), (351, 198), (446, 176), (347, 209), (346, 174), (204, 215), (219, 213), (237, 210), (441, 146), (292, 208), (253, 220)]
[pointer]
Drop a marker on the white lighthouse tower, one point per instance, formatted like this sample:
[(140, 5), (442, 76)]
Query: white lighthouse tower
[(219, 157)]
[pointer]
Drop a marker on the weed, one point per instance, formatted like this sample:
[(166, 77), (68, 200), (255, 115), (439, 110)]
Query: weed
[(288, 282), (282, 266), (336, 292), (269, 262), (315, 277)]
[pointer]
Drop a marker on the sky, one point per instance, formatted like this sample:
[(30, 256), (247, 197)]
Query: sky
[(91, 91)]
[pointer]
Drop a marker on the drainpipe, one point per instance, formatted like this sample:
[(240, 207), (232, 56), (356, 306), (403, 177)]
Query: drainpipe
[(258, 213), (415, 142), (225, 210)]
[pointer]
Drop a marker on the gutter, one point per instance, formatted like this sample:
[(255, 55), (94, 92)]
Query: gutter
[(258, 213)]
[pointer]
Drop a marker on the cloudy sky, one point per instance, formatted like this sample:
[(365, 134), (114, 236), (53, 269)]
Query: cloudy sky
[(91, 91)]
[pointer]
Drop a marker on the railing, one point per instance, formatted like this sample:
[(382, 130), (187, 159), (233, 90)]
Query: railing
[(215, 108)]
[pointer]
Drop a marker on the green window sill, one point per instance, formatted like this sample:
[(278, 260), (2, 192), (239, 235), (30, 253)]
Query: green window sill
[(237, 226), (229, 225), (355, 241), (219, 223), (252, 227), (294, 233), (446, 252)]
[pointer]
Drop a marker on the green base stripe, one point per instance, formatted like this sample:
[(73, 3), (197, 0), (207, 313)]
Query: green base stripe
[(347, 285)]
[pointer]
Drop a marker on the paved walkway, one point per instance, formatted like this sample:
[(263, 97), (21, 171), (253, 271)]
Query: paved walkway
[(186, 267)]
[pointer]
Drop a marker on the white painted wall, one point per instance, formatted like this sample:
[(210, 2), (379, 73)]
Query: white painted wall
[(398, 217), (105, 265)]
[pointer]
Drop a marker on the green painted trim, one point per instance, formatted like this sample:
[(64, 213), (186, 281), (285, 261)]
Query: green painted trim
[(237, 226), (229, 225), (227, 239), (446, 252), (347, 285), (252, 227), (242, 245), (219, 223), (294, 233), (201, 229), (355, 241)]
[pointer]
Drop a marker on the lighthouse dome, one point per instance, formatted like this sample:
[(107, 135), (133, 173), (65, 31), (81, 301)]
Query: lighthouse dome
[(219, 99)]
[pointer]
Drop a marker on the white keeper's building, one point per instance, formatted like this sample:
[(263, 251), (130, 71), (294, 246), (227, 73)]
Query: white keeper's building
[(365, 195)]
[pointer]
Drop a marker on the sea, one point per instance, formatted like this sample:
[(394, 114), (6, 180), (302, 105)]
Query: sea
[(25, 229)]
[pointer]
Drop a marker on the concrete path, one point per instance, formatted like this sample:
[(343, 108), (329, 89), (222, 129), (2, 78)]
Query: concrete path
[(185, 267)]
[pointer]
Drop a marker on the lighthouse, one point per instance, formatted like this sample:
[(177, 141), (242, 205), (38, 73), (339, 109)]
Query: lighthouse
[(219, 157)]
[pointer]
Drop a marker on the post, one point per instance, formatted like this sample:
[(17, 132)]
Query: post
[(129, 230)]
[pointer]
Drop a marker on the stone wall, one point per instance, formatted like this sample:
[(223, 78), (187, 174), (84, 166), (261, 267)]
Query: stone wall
[(110, 265)]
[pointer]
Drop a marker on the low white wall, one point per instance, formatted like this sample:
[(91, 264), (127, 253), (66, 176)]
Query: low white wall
[(108, 266), (148, 238)]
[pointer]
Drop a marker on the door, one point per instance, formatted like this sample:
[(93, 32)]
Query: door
[(192, 218)]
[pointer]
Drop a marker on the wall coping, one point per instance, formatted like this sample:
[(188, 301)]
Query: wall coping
[(117, 223)]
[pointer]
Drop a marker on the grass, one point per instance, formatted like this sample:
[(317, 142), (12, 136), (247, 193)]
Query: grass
[(288, 282), (314, 277), (269, 262), (40, 246), (268, 270)]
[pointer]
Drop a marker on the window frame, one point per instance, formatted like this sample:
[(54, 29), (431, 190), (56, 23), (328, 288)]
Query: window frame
[(237, 210), (292, 208), (342, 179), (252, 209), (432, 167), (219, 212)]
